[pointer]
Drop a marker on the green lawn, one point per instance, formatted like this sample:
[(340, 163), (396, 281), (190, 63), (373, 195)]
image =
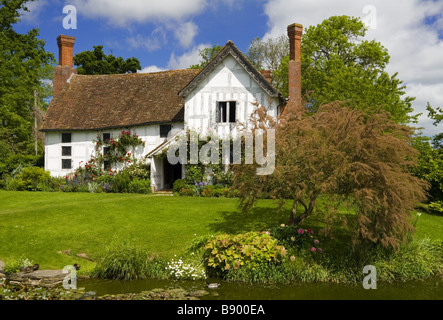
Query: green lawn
[(38, 225)]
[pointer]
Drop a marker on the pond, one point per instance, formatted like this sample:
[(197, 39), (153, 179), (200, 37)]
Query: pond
[(430, 289)]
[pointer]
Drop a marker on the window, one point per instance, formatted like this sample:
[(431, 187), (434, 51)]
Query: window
[(66, 164), (66, 151), (164, 130), (106, 137), (106, 163), (226, 112), (66, 138)]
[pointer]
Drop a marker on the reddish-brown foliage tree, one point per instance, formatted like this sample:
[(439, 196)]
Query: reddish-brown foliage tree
[(354, 161)]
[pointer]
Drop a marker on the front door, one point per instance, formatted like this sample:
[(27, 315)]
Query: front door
[(170, 174)]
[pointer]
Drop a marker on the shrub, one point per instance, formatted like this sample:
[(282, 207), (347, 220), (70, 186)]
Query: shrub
[(295, 237), (179, 184), (31, 179), (138, 170), (140, 186), (436, 206), (225, 252), (123, 261)]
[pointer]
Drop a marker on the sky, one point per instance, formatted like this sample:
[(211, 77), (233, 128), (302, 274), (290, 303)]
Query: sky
[(168, 34)]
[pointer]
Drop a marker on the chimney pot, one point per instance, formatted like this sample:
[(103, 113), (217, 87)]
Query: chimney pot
[(65, 50)]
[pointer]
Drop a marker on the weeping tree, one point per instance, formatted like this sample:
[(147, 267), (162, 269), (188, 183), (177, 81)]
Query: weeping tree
[(340, 160)]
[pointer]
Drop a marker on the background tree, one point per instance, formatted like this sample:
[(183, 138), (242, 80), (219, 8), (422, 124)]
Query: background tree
[(97, 62), (337, 160), (268, 55), (24, 65), (206, 55), (338, 65), (435, 114)]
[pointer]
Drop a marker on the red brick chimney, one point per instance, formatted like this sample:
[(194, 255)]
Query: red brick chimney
[(295, 32), (65, 67), (267, 74)]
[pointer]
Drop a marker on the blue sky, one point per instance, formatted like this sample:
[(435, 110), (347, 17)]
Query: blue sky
[(168, 34)]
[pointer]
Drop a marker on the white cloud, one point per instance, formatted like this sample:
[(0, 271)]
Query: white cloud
[(414, 46), (185, 33), (153, 42), (151, 69), (188, 58), (32, 16), (125, 12)]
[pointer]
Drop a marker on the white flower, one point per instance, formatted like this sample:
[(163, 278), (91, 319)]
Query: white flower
[(418, 214)]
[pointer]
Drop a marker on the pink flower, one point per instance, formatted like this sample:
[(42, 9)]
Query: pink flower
[(320, 250), (300, 231), (313, 249), (316, 242)]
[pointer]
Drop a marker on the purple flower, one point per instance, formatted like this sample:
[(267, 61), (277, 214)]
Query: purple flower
[(300, 231), (319, 250), (313, 249)]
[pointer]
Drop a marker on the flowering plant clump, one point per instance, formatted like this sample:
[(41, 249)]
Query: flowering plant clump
[(180, 270), (296, 237), (117, 151), (225, 252)]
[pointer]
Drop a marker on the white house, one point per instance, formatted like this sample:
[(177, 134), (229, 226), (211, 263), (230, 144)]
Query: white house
[(155, 106)]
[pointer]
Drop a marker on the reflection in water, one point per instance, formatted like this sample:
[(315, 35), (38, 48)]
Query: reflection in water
[(431, 289)]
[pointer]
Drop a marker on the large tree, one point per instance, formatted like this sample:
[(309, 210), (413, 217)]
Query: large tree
[(24, 64), (339, 65), (96, 62), (341, 160)]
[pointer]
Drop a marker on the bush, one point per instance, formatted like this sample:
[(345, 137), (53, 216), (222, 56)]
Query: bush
[(140, 186), (436, 206), (138, 170), (31, 179), (123, 261), (225, 252), (179, 184), (292, 236)]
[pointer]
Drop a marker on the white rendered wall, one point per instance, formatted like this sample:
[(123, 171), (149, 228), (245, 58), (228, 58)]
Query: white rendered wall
[(228, 82), (83, 146)]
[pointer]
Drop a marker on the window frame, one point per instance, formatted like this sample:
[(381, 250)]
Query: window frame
[(224, 112)]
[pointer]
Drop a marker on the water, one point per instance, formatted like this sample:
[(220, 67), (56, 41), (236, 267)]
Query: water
[(430, 289)]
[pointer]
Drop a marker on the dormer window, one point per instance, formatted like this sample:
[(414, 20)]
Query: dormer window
[(226, 112)]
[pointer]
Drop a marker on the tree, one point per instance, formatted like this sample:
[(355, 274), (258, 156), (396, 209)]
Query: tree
[(268, 55), (97, 62), (435, 114), (24, 63), (339, 159), (338, 65), (206, 55)]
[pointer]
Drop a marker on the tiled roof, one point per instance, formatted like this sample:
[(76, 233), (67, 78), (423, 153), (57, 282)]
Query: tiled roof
[(115, 101)]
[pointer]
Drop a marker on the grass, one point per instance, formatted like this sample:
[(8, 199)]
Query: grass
[(39, 225)]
